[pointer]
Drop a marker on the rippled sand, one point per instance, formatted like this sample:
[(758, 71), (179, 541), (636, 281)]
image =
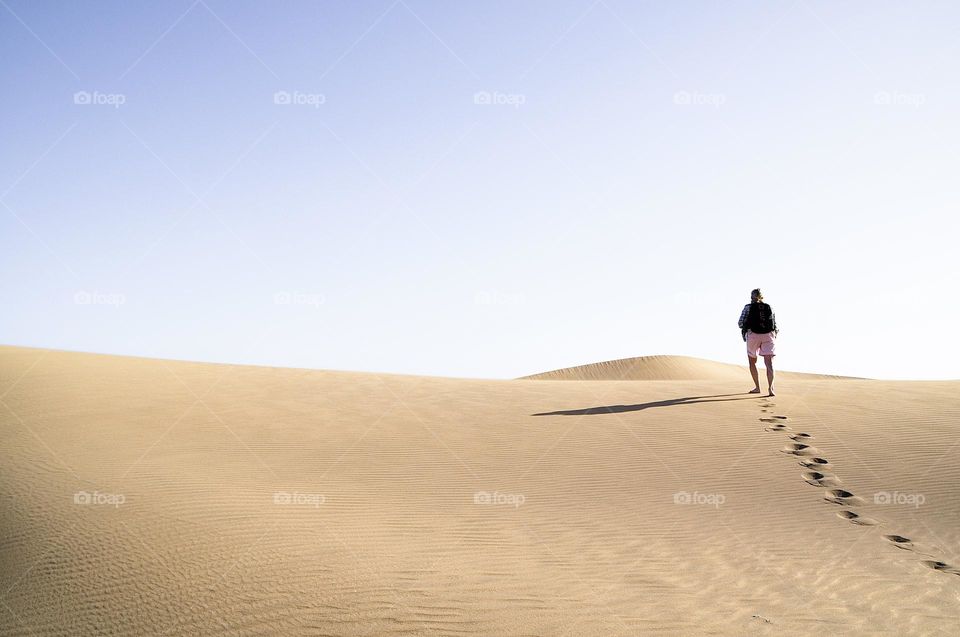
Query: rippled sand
[(149, 497)]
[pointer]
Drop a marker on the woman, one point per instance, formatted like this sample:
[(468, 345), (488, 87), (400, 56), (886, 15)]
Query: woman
[(758, 326)]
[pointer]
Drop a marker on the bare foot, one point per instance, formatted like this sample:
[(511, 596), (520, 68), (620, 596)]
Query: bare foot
[(771, 393), (754, 391)]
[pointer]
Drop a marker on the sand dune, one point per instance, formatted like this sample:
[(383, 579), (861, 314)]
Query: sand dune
[(149, 497), (661, 368)]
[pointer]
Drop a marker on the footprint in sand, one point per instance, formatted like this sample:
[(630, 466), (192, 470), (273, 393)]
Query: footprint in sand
[(800, 449), (941, 566), (778, 428), (772, 419), (843, 497), (773, 425), (820, 479), (900, 542), (856, 518), (815, 463), (800, 437), (907, 544)]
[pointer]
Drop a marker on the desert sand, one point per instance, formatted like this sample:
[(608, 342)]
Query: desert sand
[(154, 497)]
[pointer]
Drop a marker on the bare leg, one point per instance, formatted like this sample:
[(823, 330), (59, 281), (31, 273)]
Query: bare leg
[(768, 361), (755, 374)]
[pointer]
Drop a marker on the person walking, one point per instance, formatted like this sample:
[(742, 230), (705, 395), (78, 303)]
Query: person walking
[(758, 327)]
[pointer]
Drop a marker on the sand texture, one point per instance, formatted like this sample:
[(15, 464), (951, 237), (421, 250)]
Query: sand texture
[(151, 497)]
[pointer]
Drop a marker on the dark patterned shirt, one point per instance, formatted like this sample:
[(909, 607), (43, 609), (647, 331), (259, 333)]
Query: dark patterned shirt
[(742, 323)]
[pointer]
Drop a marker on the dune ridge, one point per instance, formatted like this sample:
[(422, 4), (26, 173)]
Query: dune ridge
[(662, 367)]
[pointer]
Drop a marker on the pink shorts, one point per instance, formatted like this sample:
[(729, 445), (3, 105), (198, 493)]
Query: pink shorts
[(765, 343)]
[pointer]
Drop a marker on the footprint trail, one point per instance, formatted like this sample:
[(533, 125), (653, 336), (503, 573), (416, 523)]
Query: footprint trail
[(820, 474)]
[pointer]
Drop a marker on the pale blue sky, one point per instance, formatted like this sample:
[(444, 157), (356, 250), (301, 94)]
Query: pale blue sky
[(640, 168)]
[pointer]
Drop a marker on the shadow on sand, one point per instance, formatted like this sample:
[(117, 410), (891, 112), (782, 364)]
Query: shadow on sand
[(614, 409)]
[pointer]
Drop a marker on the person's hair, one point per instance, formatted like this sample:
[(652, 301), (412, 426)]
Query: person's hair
[(757, 293)]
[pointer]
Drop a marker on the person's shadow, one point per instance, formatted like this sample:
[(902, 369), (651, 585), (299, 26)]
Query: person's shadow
[(614, 409)]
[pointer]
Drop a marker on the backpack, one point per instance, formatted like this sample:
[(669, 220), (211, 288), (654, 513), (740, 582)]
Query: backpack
[(759, 320)]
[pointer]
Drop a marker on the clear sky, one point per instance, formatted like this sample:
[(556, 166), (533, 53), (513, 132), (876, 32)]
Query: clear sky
[(481, 189)]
